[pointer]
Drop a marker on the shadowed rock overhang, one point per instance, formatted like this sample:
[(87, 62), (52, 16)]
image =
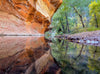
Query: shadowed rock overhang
[(26, 17)]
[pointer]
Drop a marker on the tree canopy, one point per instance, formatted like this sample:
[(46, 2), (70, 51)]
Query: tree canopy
[(76, 16)]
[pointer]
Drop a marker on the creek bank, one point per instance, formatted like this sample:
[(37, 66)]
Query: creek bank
[(92, 37)]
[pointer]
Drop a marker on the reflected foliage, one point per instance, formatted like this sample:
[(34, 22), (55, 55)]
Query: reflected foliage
[(75, 58)]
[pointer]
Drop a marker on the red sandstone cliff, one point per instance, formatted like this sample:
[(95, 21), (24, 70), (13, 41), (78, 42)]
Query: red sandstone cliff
[(26, 16)]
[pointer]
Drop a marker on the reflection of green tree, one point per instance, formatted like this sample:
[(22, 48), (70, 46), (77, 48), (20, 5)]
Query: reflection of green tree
[(71, 57), (94, 65), (94, 52)]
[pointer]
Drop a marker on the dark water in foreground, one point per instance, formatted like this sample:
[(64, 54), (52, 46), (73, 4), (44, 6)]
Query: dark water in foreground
[(36, 55)]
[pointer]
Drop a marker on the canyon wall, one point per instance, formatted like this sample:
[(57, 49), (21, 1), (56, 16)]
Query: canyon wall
[(23, 17)]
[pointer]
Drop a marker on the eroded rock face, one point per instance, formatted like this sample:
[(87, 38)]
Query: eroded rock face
[(26, 16)]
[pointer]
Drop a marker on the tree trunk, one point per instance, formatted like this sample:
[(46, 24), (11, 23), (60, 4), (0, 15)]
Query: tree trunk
[(62, 25), (96, 20), (67, 23), (67, 43), (95, 52), (81, 18)]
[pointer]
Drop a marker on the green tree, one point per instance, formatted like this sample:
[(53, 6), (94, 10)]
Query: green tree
[(70, 15), (95, 13)]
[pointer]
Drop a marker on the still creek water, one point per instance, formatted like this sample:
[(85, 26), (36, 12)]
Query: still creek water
[(37, 55)]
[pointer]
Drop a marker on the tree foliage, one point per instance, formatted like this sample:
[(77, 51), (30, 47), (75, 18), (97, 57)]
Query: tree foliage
[(76, 16), (95, 13), (67, 18)]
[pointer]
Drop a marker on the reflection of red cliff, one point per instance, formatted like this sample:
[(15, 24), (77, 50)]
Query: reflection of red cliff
[(25, 55), (26, 16), (11, 45)]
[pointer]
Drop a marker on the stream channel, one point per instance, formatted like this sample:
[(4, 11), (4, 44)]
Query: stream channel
[(37, 55)]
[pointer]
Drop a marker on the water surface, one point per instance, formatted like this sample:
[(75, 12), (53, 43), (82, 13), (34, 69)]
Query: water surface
[(37, 55)]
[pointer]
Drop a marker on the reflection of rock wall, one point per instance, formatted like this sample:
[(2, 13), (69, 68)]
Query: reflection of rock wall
[(26, 16), (25, 55)]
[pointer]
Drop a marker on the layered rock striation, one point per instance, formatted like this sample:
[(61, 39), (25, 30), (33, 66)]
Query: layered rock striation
[(22, 17)]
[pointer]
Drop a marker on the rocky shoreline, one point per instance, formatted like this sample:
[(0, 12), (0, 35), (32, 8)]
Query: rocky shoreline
[(92, 37)]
